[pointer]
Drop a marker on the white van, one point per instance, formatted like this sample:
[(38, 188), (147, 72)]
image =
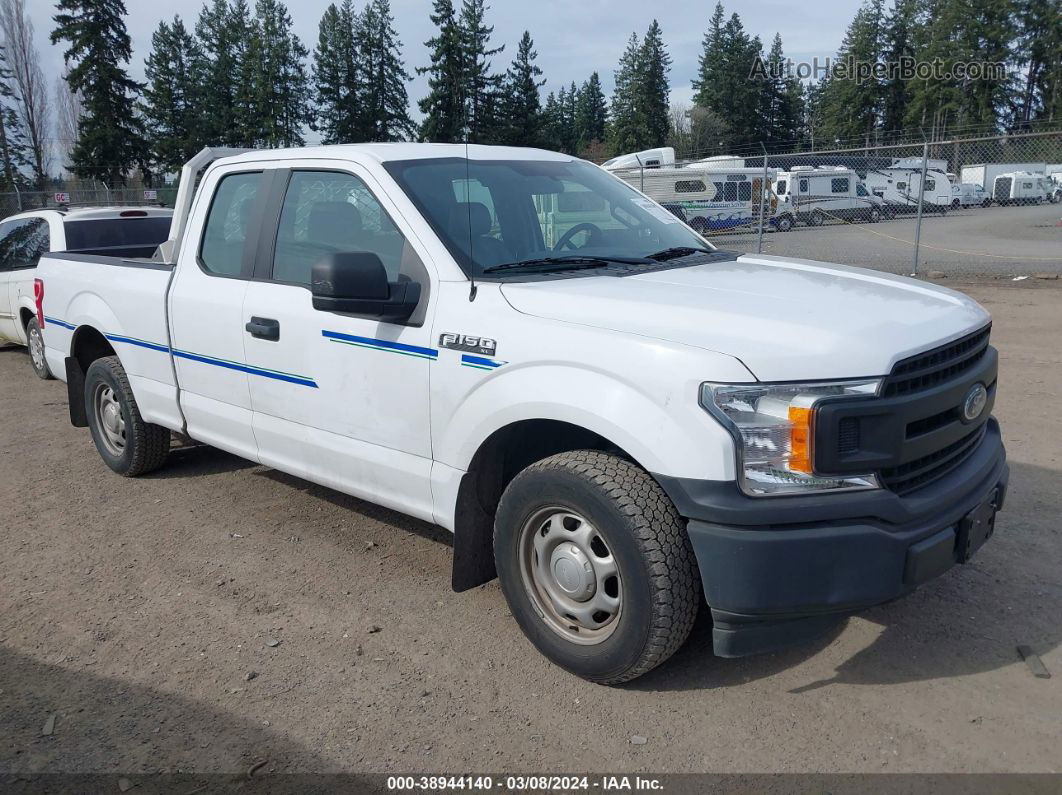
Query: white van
[(899, 188), (1021, 187), (967, 194), (816, 195)]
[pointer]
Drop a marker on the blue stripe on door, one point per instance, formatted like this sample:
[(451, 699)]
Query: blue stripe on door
[(382, 345)]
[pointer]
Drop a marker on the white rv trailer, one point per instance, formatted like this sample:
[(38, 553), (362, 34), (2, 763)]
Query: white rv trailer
[(661, 157), (984, 174), (814, 195), (708, 199), (899, 188), (1021, 187)]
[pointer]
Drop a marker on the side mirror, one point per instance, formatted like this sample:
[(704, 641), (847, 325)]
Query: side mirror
[(355, 283)]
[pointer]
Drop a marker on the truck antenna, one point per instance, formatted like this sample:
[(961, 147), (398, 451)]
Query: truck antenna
[(471, 258)]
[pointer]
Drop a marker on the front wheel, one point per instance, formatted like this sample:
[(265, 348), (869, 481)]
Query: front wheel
[(875, 215), (126, 443), (35, 343), (817, 218), (596, 565), (784, 223)]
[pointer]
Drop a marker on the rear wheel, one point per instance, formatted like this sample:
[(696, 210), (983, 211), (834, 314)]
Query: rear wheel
[(875, 215), (596, 565), (35, 343), (784, 223), (126, 443), (817, 218)]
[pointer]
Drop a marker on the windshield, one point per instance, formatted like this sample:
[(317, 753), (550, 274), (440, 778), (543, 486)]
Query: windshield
[(496, 212)]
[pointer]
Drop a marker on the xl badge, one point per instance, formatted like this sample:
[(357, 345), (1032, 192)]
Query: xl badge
[(468, 344)]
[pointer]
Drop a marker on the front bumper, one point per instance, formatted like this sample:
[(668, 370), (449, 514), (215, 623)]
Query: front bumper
[(776, 571)]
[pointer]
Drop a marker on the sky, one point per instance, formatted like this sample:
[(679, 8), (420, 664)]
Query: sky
[(573, 37)]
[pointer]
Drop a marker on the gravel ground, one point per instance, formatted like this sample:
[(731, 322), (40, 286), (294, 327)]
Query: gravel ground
[(993, 242), (219, 613)]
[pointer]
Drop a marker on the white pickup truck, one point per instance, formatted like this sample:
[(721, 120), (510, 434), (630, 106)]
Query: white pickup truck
[(613, 425)]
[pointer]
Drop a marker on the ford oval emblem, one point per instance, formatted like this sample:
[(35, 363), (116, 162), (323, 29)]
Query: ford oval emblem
[(974, 402)]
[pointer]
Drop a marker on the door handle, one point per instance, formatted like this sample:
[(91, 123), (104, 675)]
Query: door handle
[(264, 328)]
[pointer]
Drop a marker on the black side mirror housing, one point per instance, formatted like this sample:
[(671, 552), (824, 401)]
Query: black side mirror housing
[(355, 283)]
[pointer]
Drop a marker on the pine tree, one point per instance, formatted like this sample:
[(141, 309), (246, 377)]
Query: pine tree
[(654, 92), (444, 107), (110, 137), (222, 73), (551, 123), (627, 131), (591, 115), (481, 85), (171, 98), (331, 80), (707, 84), (522, 105), (851, 108), (279, 83), (13, 145), (384, 100), (781, 99), (1041, 39), (898, 45)]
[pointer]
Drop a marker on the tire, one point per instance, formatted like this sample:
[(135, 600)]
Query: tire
[(956, 203), (784, 223), (35, 345), (817, 218), (126, 443), (632, 560), (875, 215)]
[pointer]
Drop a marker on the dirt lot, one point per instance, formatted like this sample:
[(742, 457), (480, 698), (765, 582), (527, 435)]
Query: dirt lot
[(135, 613)]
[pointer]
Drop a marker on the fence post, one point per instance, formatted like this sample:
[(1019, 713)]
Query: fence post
[(18, 195), (763, 200), (641, 170), (921, 198)]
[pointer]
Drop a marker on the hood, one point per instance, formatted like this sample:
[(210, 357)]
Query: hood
[(785, 319)]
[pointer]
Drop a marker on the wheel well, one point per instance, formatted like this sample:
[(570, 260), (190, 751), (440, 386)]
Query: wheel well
[(503, 455), (25, 315), (89, 345)]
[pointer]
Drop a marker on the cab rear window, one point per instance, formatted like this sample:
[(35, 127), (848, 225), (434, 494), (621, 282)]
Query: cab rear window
[(102, 233)]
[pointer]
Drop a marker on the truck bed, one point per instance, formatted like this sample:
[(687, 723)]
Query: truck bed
[(122, 300)]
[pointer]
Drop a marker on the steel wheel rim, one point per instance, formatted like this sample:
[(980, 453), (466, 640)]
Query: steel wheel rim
[(570, 575), (36, 349), (109, 419)]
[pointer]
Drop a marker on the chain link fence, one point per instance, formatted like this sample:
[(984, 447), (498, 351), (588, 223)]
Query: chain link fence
[(80, 194), (985, 206)]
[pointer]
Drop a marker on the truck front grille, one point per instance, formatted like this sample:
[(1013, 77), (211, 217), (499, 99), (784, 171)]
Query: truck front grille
[(923, 471), (927, 370)]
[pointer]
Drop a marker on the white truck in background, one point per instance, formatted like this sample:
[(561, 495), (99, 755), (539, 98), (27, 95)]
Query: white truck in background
[(613, 424), (25, 237), (1021, 187), (984, 174)]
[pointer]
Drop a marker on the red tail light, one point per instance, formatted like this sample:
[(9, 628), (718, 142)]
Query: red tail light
[(38, 298)]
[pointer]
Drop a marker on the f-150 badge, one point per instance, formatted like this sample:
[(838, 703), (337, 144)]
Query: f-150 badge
[(468, 343)]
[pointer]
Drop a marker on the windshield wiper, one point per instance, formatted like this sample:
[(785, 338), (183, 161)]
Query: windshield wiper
[(571, 262), (678, 251)]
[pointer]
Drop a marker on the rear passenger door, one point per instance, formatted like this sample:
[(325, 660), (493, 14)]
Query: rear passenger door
[(206, 309), (350, 408)]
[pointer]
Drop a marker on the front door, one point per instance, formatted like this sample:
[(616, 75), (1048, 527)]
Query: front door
[(351, 411)]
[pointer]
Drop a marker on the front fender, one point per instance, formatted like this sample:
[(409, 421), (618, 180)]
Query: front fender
[(660, 425)]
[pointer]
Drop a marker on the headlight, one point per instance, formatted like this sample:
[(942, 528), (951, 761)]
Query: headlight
[(774, 430)]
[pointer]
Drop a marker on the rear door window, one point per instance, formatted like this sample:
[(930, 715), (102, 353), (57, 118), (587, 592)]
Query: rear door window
[(104, 233), (225, 233)]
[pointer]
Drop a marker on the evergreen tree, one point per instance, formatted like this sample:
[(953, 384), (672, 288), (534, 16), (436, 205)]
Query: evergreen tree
[(591, 115), (222, 73), (627, 131), (334, 87), (522, 105), (171, 98), (385, 101), (551, 123), (278, 87), (14, 151), (850, 107), (110, 137), (444, 107), (898, 45), (654, 92), (1041, 39), (481, 85), (781, 99), (709, 81)]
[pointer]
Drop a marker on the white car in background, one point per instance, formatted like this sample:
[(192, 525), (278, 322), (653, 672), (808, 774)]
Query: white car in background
[(114, 231), (969, 194)]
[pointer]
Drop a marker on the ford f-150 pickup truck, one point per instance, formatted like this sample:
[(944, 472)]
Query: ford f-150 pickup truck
[(613, 417)]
